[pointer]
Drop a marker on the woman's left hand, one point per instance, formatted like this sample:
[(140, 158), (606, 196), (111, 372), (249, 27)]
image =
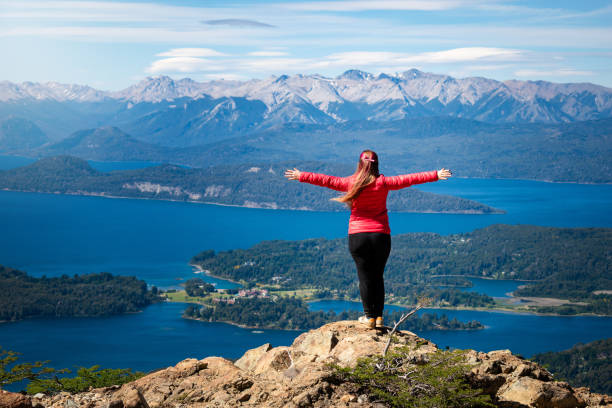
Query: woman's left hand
[(443, 174), (293, 174)]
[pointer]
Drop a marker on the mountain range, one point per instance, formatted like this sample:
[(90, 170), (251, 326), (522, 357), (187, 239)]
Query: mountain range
[(185, 112), (416, 120)]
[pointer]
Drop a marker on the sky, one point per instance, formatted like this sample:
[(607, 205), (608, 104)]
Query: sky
[(111, 44)]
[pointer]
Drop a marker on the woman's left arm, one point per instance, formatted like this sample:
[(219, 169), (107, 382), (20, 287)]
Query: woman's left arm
[(407, 180)]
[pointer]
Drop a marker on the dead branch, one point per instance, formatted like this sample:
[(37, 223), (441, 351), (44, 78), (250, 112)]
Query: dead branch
[(396, 324)]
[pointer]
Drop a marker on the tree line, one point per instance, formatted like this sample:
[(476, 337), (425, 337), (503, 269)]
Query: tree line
[(584, 365), (98, 294), (564, 262), (235, 185), (294, 314)]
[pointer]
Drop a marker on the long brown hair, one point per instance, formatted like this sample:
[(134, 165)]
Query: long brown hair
[(366, 173)]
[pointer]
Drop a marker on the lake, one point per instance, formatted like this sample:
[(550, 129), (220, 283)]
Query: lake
[(49, 234)]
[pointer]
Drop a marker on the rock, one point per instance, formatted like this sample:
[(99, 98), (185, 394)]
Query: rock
[(249, 360), (70, 404), (116, 404), (534, 393), (300, 376), (14, 400), (134, 399), (346, 398)]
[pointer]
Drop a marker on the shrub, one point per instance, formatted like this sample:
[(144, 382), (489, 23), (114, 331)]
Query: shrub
[(396, 380)]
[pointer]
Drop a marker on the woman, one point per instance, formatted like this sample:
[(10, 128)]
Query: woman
[(369, 236)]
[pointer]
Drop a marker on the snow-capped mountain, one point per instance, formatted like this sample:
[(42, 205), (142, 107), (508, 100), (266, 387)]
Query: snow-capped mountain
[(49, 91), (357, 95)]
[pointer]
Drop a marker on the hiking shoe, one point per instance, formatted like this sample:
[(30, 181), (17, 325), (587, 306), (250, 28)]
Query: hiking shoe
[(379, 321), (370, 322)]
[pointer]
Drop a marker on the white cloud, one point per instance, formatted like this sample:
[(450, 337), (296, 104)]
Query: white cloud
[(226, 76), (363, 5), (563, 72), (267, 53), (183, 65), (390, 59), (191, 52), (185, 61)]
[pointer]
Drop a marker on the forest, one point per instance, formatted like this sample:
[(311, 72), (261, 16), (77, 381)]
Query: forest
[(570, 263), (98, 294), (242, 185), (293, 314), (584, 365)]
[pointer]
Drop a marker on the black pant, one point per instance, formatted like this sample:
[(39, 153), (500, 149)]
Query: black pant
[(370, 250)]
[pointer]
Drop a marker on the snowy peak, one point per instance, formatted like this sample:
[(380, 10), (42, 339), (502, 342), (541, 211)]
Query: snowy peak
[(49, 90), (355, 75), (157, 89), (359, 95)]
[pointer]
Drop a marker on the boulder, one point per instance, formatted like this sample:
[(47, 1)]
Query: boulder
[(14, 400)]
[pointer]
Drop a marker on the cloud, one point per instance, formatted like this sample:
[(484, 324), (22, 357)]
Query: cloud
[(563, 72), (267, 53), (191, 52), (467, 54), (188, 60), (226, 76), (182, 65), (363, 5), (238, 22)]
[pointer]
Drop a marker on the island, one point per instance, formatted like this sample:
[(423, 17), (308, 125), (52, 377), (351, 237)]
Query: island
[(263, 309), (570, 264), (98, 294)]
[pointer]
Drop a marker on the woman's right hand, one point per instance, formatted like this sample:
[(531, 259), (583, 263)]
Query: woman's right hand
[(443, 174), (293, 174)]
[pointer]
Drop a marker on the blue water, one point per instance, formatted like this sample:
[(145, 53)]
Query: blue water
[(156, 338), (494, 288), (11, 162), (154, 240), (524, 334), (55, 234)]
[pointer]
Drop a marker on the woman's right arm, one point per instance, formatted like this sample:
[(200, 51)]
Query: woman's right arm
[(323, 180)]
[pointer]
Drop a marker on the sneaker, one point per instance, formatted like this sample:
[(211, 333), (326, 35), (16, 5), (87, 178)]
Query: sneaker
[(368, 321), (379, 322)]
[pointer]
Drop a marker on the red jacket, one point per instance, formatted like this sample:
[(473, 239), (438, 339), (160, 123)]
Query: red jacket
[(369, 209)]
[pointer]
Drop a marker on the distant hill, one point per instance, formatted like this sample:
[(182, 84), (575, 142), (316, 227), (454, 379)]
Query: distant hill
[(241, 185), (18, 133), (105, 143), (575, 152), (584, 365)]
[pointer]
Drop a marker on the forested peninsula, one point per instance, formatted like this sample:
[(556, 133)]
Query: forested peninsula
[(98, 294), (568, 262), (584, 365), (259, 186), (289, 313)]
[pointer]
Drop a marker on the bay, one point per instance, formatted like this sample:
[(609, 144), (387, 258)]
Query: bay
[(156, 338)]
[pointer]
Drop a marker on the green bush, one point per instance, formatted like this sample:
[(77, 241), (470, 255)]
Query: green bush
[(85, 378), (45, 379), (397, 381)]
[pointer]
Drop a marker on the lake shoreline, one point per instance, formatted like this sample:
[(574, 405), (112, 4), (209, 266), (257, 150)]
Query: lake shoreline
[(258, 207)]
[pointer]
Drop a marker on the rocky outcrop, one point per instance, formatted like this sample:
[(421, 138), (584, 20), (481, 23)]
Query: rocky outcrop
[(299, 376)]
